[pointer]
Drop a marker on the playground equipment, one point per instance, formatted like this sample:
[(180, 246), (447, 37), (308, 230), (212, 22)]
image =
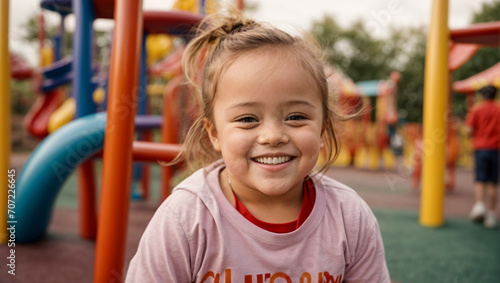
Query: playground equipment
[(56, 158), (452, 153), (467, 41), (118, 125), (349, 97), (374, 150), (364, 142), (19, 68), (490, 76), (435, 102), (117, 147), (48, 83), (82, 82), (463, 44), (436, 97)]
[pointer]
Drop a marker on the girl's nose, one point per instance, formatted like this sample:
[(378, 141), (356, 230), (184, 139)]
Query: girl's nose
[(273, 134)]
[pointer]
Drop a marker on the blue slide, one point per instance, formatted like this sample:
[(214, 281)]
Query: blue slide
[(48, 167)]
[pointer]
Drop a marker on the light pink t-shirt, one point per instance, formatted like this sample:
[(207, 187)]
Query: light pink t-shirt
[(197, 236)]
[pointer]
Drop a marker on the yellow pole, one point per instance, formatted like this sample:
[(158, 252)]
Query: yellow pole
[(435, 117), (4, 115)]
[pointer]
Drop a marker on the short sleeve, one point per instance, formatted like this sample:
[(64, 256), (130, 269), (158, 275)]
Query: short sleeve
[(368, 262), (163, 252)]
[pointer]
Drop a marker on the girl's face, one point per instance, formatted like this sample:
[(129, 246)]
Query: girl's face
[(268, 122)]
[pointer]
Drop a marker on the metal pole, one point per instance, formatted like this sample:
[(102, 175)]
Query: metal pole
[(4, 115), (435, 116), (117, 159)]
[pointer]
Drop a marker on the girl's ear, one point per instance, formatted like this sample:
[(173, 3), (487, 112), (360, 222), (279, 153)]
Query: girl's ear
[(212, 134)]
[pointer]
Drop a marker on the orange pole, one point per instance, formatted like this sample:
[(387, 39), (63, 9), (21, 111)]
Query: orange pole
[(154, 152), (146, 169), (151, 151), (117, 159), (169, 130)]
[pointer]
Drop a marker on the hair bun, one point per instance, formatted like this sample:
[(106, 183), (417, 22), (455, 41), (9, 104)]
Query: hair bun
[(239, 25)]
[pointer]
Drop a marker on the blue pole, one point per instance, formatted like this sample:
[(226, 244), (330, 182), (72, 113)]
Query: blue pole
[(141, 109), (82, 66)]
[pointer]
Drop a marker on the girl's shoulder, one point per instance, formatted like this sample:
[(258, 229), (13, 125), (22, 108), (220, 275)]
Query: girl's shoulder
[(335, 188), (343, 200), (198, 182), (196, 192)]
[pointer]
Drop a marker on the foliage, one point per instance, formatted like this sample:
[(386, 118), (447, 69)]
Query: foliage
[(411, 85), (22, 96), (363, 57), (490, 12), (30, 28), (354, 51)]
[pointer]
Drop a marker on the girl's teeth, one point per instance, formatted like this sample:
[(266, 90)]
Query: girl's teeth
[(273, 160)]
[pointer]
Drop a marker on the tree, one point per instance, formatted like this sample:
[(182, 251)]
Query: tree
[(411, 85), (490, 12), (355, 51), (30, 28), (363, 57)]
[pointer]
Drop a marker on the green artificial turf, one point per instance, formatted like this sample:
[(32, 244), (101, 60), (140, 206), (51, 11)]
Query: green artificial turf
[(457, 252)]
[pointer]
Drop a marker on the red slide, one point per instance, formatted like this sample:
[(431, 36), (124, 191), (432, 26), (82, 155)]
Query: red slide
[(37, 119)]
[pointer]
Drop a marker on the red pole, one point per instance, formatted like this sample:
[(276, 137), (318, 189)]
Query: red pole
[(146, 169), (86, 199), (41, 31), (169, 130), (117, 159)]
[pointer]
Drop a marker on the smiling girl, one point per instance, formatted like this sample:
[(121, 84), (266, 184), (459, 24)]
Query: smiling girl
[(256, 212)]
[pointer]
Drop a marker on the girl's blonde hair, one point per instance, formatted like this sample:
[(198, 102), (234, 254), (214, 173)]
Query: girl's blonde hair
[(219, 41)]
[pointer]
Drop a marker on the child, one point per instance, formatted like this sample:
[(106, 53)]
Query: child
[(483, 125), (257, 214)]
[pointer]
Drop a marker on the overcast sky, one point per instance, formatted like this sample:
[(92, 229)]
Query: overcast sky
[(290, 15)]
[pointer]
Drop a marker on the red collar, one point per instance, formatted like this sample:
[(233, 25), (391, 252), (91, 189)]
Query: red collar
[(307, 206)]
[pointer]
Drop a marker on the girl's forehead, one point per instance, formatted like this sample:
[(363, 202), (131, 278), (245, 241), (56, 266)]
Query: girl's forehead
[(274, 53), (265, 61), (257, 76)]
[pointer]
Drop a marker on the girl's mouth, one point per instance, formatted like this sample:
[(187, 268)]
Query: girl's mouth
[(273, 160)]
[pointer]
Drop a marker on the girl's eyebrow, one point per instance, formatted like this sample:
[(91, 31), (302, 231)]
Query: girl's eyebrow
[(301, 102), (241, 105), (253, 104)]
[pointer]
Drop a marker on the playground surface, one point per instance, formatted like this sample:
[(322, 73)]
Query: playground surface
[(457, 252)]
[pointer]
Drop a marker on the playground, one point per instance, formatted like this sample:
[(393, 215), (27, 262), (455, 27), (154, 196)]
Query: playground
[(88, 180)]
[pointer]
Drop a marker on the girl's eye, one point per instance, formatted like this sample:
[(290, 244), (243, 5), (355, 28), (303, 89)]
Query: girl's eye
[(295, 117), (247, 119)]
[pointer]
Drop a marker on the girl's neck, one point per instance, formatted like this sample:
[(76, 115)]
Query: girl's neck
[(271, 209)]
